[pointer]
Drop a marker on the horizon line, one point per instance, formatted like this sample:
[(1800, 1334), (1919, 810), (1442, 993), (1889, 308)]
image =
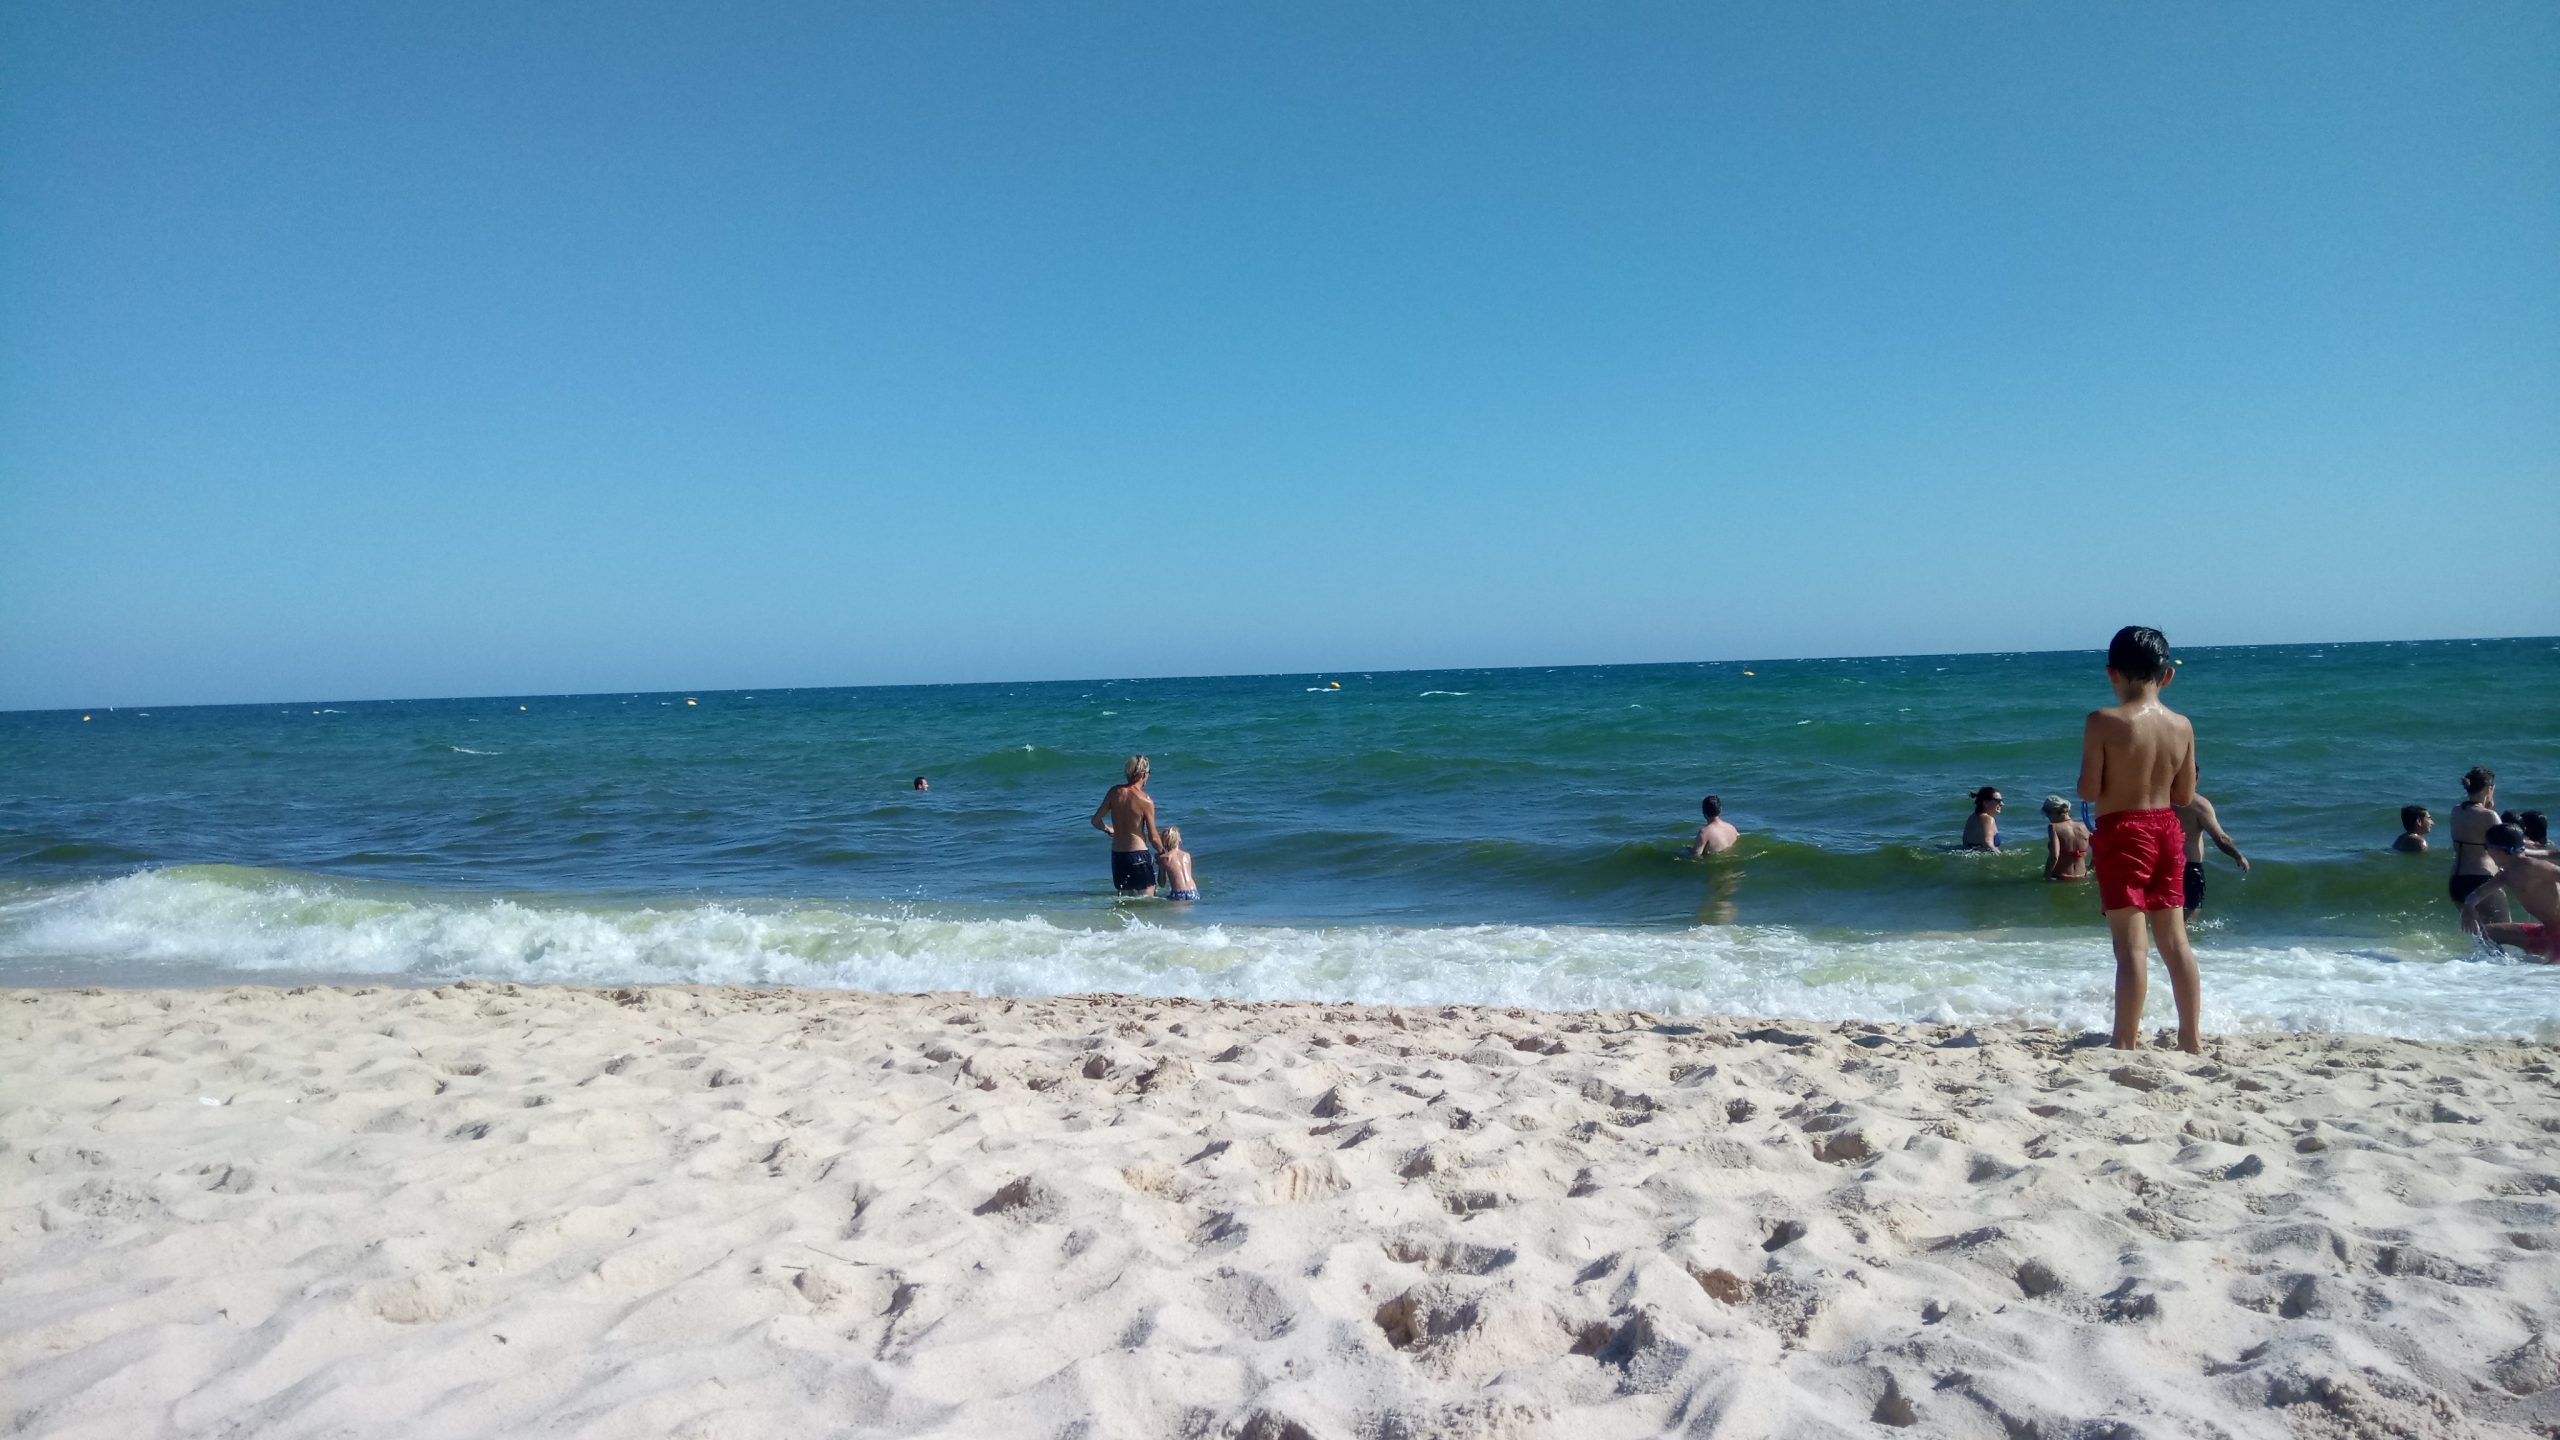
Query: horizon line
[(522, 695)]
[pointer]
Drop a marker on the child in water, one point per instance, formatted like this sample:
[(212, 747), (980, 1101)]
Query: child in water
[(1176, 863), (2066, 842), (1717, 835), (2137, 765)]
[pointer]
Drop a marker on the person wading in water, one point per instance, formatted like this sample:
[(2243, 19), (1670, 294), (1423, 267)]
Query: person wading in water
[(1128, 815), (2473, 864)]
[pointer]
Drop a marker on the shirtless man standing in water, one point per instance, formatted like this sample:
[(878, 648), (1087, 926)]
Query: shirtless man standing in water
[(2137, 767), (1128, 815), (2202, 824)]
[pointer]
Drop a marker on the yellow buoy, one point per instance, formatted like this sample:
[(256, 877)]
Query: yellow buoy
[(84, 719), (1337, 685), (519, 707), (1751, 672), (689, 700)]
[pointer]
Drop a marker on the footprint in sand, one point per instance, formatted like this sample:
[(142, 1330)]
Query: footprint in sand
[(1441, 1254)]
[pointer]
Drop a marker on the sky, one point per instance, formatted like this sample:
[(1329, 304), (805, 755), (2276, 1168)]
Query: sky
[(367, 350)]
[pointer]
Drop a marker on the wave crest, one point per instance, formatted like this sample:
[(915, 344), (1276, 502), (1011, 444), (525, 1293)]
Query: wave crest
[(270, 924)]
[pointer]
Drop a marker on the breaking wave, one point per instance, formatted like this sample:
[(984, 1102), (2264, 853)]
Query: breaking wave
[(216, 922)]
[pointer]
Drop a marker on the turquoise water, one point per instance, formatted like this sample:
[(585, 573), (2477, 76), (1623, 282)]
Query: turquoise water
[(1498, 835)]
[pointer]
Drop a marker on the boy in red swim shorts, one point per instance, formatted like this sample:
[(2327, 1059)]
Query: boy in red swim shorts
[(2137, 764)]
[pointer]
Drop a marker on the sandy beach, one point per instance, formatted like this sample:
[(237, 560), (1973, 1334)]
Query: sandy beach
[(489, 1209)]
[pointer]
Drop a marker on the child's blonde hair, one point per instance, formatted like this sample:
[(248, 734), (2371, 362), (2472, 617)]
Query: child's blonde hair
[(1173, 837)]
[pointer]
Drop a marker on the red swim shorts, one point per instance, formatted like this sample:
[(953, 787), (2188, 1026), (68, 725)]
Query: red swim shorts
[(2544, 942), (2141, 860)]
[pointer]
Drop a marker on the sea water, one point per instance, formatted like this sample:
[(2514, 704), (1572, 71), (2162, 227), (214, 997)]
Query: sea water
[(1498, 836)]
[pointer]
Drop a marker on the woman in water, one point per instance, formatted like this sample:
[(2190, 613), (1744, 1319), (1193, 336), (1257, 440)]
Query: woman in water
[(1982, 832), (2473, 863), (2066, 842)]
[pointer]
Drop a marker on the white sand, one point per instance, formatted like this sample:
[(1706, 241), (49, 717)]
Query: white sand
[(486, 1210)]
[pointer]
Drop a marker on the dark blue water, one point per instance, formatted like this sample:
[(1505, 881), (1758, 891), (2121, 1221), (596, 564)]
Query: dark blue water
[(1412, 805)]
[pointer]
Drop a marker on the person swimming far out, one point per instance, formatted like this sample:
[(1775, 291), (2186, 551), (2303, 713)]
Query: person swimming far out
[(2415, 822), (1717, 835), (1982, 830), (922, 784), (2066, 842)]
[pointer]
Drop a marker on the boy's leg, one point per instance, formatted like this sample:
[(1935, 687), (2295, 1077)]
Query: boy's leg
[(2133, 973), (2169, 928)]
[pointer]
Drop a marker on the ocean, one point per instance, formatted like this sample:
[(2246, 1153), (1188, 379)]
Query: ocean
[(1503, 836)]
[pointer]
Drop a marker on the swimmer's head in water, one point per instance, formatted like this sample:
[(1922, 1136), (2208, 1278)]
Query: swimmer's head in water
[(1136, 769), (2055, 807), (921, 785), (2509, 838), (2478, 780), (2139, 654), (2416, 820), (2536, 827), (1172, 837), (1711, 807), (1985, 800)]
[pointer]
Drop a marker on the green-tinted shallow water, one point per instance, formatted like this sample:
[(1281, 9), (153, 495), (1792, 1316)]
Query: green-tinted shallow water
[(1498, 834)]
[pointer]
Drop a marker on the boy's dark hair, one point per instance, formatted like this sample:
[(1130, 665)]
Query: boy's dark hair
[(2502, 836), (2139, 653), (2410, 815), (2536, 826), (2477, 779), (2511, 817), (1711, 807)]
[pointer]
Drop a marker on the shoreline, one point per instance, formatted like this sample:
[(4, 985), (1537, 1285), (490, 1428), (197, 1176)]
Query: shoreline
[(478, 1207)]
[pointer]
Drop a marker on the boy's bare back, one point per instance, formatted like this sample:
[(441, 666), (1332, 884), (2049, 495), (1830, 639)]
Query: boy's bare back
[(2140, 755)]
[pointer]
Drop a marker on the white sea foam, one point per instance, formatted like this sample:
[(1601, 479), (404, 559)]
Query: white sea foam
[(259, 924)]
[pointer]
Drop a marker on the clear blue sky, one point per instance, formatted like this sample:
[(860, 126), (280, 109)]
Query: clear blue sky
[(356, 350)]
